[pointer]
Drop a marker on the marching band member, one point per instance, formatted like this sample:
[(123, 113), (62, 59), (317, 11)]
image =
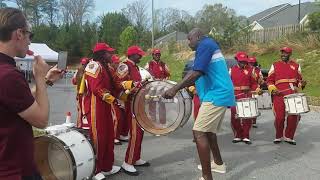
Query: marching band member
[(283, 79), (100, 91), (243, 78), (83, 103), (130, 78), (117, 109), (159, 71), (252, 61)]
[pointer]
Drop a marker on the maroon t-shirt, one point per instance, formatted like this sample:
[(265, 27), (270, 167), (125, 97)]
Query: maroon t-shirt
[(16, 136)]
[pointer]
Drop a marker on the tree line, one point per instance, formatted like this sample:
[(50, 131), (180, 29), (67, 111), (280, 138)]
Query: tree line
[(68, 24)]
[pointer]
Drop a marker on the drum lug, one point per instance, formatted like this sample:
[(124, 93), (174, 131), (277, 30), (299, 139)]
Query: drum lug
[(83, 140), (91, 159), (68, 147), (80, 164)]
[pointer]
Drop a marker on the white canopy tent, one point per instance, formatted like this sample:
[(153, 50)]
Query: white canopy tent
[(43, 50), (25, 64)]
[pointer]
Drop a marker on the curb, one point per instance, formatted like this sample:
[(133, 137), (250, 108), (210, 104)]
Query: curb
[(315, 108)]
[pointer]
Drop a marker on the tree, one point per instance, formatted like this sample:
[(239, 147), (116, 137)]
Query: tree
[(136, 12), (50, 9), (31, 9), (214, 16), (127, 38), (75, 11), (89, 37), (314, 19), (112, 24)]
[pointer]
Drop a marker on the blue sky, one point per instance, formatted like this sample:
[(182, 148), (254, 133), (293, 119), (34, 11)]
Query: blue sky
[(242, 7)]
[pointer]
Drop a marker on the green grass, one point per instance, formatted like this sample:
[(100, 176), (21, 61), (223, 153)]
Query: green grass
[(175, 65)]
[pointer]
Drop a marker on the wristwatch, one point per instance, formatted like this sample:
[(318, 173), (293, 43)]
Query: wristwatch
[(48, 82)]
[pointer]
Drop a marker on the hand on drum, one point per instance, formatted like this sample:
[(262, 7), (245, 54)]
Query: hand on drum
[(170, 93), (275, 92)]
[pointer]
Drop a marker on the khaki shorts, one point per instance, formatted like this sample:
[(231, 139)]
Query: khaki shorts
[(209, 118)]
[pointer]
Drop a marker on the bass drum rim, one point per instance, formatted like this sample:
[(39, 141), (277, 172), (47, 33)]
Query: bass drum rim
[(65, 148), (148, 126), (51, 139)]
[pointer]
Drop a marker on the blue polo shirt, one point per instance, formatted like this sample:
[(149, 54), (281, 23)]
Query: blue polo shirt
[(215, 84)]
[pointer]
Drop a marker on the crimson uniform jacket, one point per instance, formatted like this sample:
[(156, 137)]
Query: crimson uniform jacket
[(258, 75), (281, 74), (159, 70), (243, 79)]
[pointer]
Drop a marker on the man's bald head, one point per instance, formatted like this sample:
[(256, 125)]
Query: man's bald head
[(194, 36), (196, 32)]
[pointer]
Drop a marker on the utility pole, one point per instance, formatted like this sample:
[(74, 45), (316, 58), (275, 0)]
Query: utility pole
[(152, 31), (299, 12)]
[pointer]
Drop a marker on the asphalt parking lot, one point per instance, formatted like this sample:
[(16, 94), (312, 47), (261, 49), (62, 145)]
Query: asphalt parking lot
[(174, 157)]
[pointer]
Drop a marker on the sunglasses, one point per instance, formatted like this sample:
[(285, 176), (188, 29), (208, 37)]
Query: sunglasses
[(31, 34)]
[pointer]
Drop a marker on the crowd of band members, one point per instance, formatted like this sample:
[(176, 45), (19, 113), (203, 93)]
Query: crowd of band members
[(247, 79), (105, 87)]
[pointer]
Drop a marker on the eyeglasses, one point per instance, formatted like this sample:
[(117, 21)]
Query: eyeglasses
[(31, 34)]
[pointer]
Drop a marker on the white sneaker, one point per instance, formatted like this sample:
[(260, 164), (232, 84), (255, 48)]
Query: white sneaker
[(124, 138), (290, 141), (129, 169), (215, 167), (98, 176), (277, 140), (247, 141), (141, 162), (114, 170)]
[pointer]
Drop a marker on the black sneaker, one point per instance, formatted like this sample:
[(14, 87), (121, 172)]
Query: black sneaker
[(277, 141), (290, 141), (247, 141), (236, 140)]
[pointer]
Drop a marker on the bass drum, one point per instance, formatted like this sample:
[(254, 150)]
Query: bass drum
[(64, 154), (157, 115)]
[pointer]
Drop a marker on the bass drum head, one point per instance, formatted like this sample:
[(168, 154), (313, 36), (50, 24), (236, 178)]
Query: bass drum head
[(145, 75), (52, 159), (157, 115)]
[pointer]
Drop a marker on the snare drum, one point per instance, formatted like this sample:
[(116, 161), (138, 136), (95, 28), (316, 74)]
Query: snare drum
[(264, 100), (247, 108), (178, 110), (64, 155), (296, 104)]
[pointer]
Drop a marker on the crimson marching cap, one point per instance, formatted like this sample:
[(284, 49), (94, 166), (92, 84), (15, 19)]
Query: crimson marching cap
[(135, 50), (156, 51), (252, 59), (286, 49), (241, 56), (84, 60), (115, 59), (102, 47)]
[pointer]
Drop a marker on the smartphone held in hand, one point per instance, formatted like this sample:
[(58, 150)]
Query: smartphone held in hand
[(62, 60)]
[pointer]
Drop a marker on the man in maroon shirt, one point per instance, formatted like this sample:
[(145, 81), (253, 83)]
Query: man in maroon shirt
[(20, 107)]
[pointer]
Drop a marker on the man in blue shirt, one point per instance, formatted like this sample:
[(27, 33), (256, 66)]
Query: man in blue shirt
[(215, 89)]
